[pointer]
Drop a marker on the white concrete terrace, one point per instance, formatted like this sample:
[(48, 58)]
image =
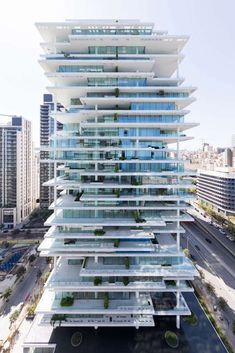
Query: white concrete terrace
[(66, 277), (121, 320), (60, 221), (131, 233), (69, 202), (142, 305), (181, 271), (97, 246)]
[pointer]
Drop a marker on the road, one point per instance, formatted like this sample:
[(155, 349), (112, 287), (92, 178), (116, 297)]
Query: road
[(205, 222), (23, 290), (212, 254), (218, 263)]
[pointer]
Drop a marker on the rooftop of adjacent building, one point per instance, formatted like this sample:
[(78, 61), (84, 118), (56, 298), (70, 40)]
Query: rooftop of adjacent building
[(221, 172), (11, 121)]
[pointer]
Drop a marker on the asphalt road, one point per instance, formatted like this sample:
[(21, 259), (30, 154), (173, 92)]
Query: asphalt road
[(213, 255), (25, 288)]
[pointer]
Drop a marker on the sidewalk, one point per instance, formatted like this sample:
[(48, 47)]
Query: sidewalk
[(224, 318), (10, 333)]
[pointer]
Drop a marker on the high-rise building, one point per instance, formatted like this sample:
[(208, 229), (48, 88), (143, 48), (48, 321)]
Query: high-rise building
[(228, 157), (17, 180), (46, 130), (115, 231)]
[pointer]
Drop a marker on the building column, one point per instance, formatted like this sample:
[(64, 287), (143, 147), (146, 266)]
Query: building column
[(55, 146), (178, 322), (177, 305)]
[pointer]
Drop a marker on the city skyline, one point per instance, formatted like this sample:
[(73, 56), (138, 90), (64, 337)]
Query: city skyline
[(208, 57)]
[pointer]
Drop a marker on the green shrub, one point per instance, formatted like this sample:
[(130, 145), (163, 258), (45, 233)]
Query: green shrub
[(116, 243), (7, 293), (234, 327), (97, 281), (78, 197), (20, 271), (32, 258), (117, 192), (106, 301), (192, 319), (210, 288), (14, 316), (57, 317), (67, 301), (170, 282), (99, 232), (76, 339), (222, 303), (171, 339), (166, 265), (117, 92), (31, 309), (125, 281), (116, 168), (127, 262)]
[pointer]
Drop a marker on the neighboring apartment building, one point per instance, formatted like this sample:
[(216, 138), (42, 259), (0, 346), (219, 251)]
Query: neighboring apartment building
[(228, 157), (17, 180), (115, 232), (46, 130), (217, 188)]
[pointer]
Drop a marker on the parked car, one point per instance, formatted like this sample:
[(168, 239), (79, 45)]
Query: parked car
[(231, 238), (222, 231)]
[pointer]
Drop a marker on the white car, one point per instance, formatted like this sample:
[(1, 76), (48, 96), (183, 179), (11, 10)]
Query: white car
[(222, 231)]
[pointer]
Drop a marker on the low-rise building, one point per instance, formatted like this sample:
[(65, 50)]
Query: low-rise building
[(217, 188)]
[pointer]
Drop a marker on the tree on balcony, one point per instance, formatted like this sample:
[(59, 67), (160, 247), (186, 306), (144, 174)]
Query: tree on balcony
[(127, 262), (57, 317), (99, 232), (116, 243), (117, 92), (106, 300), (125, 281), (67, 301), (97, 281)]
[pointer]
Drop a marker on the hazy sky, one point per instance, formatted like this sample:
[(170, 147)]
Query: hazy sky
[(209, 62)]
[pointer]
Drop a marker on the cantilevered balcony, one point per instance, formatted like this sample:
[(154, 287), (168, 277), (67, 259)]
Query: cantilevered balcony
[(115, 218), (72, 202), (66, 277), (97, 320), (51, 303), (182, 271), (111, 233)]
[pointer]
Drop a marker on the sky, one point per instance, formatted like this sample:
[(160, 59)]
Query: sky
[(208, 64)]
